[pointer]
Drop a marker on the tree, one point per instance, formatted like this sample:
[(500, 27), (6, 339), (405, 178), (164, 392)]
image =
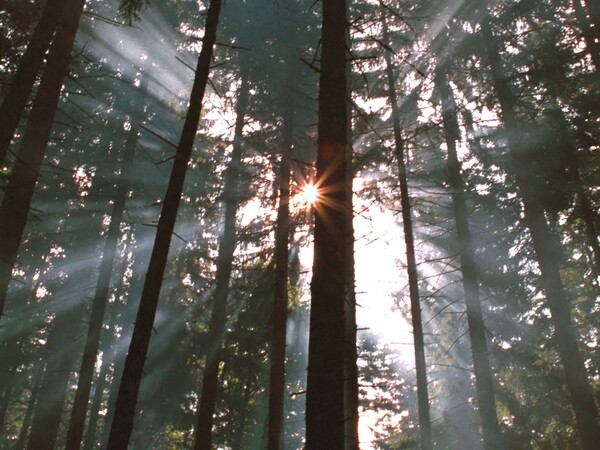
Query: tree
[(548, 251), (483, 377), (122, 424), (325, 389), (13, 104), (20, 188), (411, 263)]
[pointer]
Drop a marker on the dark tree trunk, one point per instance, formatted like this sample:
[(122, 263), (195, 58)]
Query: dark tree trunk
[(33, 400), (411, 263), (325, 384), (589, 34), (60, 359), (593, 8), (125, 321), (86, 373), (232, 193), (492, 436), (22, 82), (19, 190), (548, 250), (122, 424), (90, 436), (280, 300)]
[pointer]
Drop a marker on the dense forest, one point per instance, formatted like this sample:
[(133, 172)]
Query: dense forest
[(287, 224)]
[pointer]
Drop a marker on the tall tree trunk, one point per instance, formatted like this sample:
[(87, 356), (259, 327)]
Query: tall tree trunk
[(19, 190), (280, 300), (126, 321), (548, 250), (13, 105), (122, 424), (232, 193), (411, 263), (86, 373), (325, 383), (492, 436), (351, 388), (36, 383), (55, 381)]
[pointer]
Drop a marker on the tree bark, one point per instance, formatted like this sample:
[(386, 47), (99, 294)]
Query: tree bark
[(411, 263), (280, 298), (13, 105), (325, 383), (492, 435), (548, 250), (122, 424), (21, 184), (232, 193), (86, 373), (33, 399)]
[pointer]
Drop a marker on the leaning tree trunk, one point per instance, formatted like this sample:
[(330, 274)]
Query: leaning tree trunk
[(492, 436), (122, 424), (280, 297), (232, 193), (55, 381), (86, 372), (548, 250), (411, 263), (20, 188), (13, 105), (325, 383)]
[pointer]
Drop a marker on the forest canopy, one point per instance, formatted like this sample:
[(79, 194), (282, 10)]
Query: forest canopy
[(288, 224)]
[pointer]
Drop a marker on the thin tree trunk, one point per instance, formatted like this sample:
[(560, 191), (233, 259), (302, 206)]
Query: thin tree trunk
[(280, 300), (325, 384), (548, 250), (411, 263), (55, 381), (20, 188), (86, 373), (232, 193), (351, 388), (122, 424), (33, 400), (492, 436), (13, 105)]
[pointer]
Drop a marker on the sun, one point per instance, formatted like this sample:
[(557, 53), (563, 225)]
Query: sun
[(310, 193)]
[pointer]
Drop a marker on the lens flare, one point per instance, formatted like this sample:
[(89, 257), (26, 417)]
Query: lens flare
[(310, 193)]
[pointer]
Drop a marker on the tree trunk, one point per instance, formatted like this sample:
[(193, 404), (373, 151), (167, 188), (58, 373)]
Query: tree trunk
[(351, 388), (13, 105), (122, 424), (33, 400), (589, 34), (492, 436), (280, 300), (548, 250), (232, 193), (86, 373), (411, 263), (325, 384), (20, 188), (55, 381), (593, 8)]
